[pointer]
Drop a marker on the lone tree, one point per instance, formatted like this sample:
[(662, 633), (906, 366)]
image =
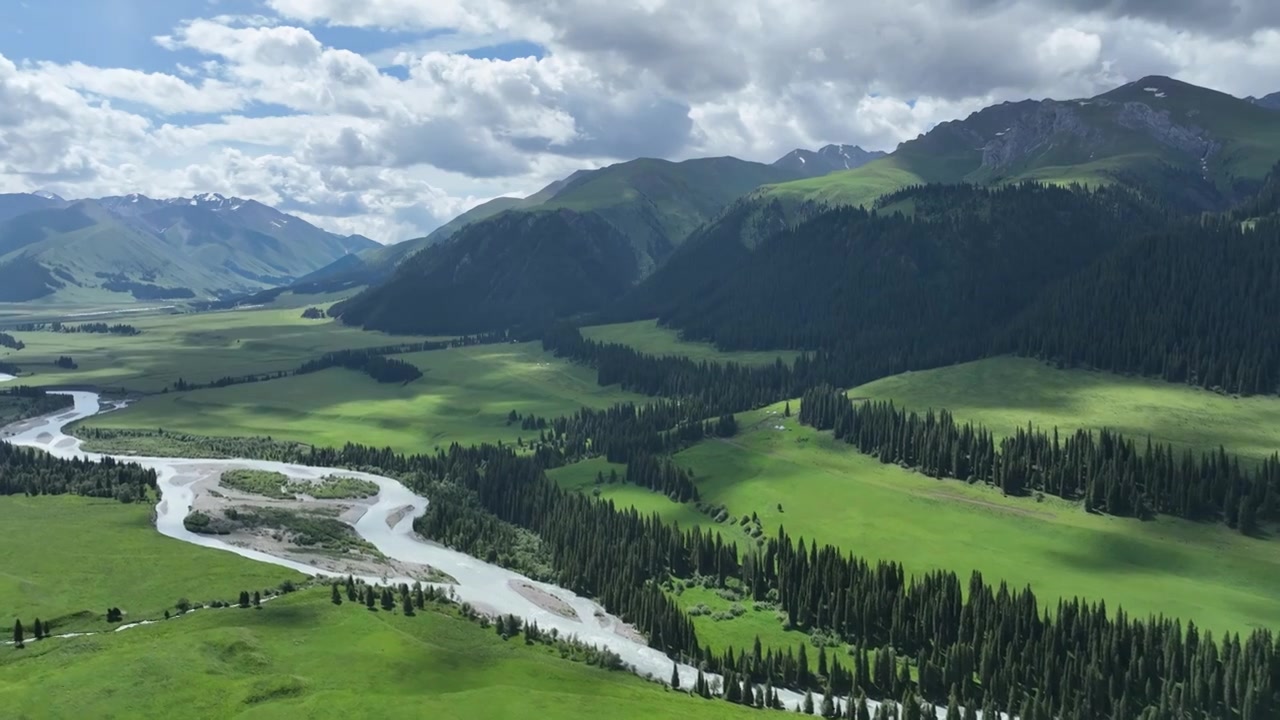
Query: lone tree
[(17, 634), (675, 676), (334, 596), (244, 599), (257, 599), (39, 630)]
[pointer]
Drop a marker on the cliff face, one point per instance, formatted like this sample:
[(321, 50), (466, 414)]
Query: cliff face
[(1050, 123)]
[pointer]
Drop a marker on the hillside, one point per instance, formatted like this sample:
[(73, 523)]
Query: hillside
[(591, 237), (889, 289), (376, 264), (563, 263), (118, 248), (1198, 148)]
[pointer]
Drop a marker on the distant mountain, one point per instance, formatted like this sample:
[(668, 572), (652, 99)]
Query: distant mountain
[(14, 204), (810, 163), (606, 228), (132, 245), (1270, 102), (1193, 147)]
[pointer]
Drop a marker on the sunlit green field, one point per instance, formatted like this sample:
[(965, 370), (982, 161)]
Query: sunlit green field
[(1007, 393), (65, 555), (465, 395), (198, 347), (820, 489), (646, 336), (301, 656)]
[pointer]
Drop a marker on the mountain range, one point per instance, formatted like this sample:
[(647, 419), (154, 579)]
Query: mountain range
[(135, 247), (638, 237), (627, 238)]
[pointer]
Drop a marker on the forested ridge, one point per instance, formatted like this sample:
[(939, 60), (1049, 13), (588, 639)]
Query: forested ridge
[(1196, 305), (930, 276)]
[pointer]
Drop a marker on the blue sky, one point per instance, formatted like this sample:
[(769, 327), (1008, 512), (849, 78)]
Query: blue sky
[(119, 33)]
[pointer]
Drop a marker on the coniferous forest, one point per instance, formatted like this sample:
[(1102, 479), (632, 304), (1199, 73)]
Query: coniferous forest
[(24, 471)]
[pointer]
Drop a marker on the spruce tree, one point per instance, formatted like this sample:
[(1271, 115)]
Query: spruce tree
[(675, 676), (257, 599), (862, 712), (953, 706), (808, 701), (368, 598), (828, 703), (406, 604), (38, 630), (17, 634), (334, 597), (351, 589)]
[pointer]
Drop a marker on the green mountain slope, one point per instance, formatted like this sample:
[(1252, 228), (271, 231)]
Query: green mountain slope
[(561, 263), (376, 264), (1197, 148), (888, 291), (590, 238), (132, 247)]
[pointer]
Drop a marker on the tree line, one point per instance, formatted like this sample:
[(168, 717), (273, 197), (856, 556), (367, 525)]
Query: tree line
[(371, 361), (1107, 471), (9, 341), (22, 402), (99, 328), (26, 471)]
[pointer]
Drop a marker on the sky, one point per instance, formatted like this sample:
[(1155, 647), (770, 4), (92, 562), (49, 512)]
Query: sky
[(389, 117)]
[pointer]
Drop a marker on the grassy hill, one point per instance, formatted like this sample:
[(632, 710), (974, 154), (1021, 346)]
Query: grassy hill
[(1189, 145), (301, 656)]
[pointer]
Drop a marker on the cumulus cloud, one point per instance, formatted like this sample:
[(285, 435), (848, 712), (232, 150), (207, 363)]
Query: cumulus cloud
[(394, 141)]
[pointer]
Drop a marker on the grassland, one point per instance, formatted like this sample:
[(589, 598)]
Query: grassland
[(465, 395), (198, 347), (1007, 393), (63, 556), (646, 336), (301, 656), (824, 490), (860, 186)]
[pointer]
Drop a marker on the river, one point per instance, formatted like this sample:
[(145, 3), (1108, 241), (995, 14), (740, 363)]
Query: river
[(477, 582)]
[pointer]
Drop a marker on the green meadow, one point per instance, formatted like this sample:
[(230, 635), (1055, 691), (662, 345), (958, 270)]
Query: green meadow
[(301, 656), (68, 559), (1006, 393), (465, 395), (198, 347)]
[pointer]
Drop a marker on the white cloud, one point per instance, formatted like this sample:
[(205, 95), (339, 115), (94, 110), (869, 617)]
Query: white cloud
[(357, 149)]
